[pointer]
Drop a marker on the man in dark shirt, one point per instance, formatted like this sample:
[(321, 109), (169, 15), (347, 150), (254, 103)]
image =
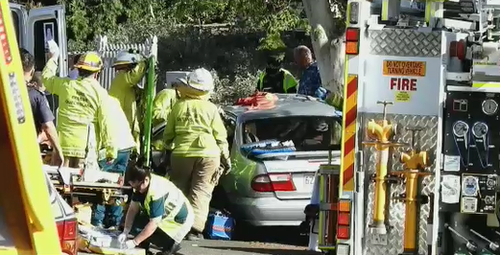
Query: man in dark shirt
[(310, 83), (276, 79), (42, 115)]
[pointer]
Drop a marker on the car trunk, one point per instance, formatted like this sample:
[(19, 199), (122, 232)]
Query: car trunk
[(301, 166)]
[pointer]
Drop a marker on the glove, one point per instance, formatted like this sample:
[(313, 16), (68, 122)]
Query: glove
[(123, 236), (226, 163), (53, 49), (130, 244)]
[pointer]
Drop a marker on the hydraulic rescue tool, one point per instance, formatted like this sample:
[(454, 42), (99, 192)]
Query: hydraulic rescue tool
[(329, 177), (493, 246), (149, 95), (470, 245), (380, 135), (415, 162)]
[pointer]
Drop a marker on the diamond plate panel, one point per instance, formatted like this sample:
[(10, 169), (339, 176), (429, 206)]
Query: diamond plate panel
[(396, 214), (405, 42)]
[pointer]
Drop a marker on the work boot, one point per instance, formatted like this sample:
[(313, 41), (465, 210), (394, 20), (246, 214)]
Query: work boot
[(194, 236)]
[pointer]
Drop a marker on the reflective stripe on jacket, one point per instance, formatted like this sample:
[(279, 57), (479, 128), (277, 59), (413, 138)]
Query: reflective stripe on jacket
[(162, 105), (288, 80), (161, 188), (195, 129), (81, 102)]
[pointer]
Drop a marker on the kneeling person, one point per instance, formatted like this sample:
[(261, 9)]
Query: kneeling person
[(167, 215)]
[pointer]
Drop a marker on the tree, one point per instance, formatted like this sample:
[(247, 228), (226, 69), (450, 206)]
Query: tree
[(327, 33)]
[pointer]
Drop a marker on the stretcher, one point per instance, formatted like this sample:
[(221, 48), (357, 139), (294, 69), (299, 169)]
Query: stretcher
[(68, 181)]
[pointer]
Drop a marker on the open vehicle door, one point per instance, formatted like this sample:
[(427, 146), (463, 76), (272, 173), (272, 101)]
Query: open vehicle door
[(43, 24), (34, 27)]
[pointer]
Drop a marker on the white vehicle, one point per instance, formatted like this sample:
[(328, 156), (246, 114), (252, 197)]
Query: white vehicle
[(34, 27), (420, 163)]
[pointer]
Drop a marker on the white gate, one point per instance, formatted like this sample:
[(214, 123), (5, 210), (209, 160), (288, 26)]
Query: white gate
[(108, 52)]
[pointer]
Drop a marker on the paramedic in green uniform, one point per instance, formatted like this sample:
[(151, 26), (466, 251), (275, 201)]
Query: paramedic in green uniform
[(159, 212)]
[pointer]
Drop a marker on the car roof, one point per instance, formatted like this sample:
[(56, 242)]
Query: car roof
[(288, 105)]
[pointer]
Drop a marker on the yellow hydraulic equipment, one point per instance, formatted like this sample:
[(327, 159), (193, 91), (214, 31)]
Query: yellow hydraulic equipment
[(380, 135), (27, 223), (414, 162), (329, 179)]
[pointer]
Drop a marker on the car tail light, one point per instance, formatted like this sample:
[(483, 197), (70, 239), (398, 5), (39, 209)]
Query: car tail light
[(68, 232), (344, 219), (273, 182), (458, 49), (352, 41)]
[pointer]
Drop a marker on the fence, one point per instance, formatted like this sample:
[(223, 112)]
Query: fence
[(108, 52)]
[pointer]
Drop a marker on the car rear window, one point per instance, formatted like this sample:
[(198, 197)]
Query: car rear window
[(307, 133)]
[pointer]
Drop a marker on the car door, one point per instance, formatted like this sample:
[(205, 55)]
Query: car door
[(230, 124)]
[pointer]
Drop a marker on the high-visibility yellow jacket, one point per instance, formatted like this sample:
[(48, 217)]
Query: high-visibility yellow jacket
[(121, 134), (123, 88), (336, 100), (288, 80), (195, 129), (81, 102), (162, 105)]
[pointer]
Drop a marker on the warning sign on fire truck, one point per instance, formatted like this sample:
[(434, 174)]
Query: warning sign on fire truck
[(404, 68), (405, 81)]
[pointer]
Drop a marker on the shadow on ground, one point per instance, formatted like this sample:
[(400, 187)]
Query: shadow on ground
[(280, 235), (268, 251)]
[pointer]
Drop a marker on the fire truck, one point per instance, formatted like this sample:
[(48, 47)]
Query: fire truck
[(420, 154)]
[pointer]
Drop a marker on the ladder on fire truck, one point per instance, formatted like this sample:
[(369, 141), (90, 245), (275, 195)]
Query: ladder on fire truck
[(341, 189), (26, 220)]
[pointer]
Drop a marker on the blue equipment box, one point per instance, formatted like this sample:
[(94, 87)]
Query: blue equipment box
[(219, 226)]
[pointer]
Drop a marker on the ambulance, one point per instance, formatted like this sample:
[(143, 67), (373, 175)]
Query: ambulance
[(421, 133), (33, 219)]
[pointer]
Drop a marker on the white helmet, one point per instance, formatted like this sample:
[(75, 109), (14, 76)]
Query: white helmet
[(200, 79), (126, 58)]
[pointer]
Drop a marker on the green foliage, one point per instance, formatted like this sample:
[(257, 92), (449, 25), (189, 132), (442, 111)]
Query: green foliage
[(132, 19), (185, 40), (227, 91)]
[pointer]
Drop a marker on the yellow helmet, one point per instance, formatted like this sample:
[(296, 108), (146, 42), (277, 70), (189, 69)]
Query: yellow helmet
[(90, 61)]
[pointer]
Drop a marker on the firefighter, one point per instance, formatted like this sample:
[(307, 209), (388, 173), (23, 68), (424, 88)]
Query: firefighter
[(125, 87), (81, 103), (42, 114), (166, 216), (276, 79), (163, 103), (196, 136), (110, 215)]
